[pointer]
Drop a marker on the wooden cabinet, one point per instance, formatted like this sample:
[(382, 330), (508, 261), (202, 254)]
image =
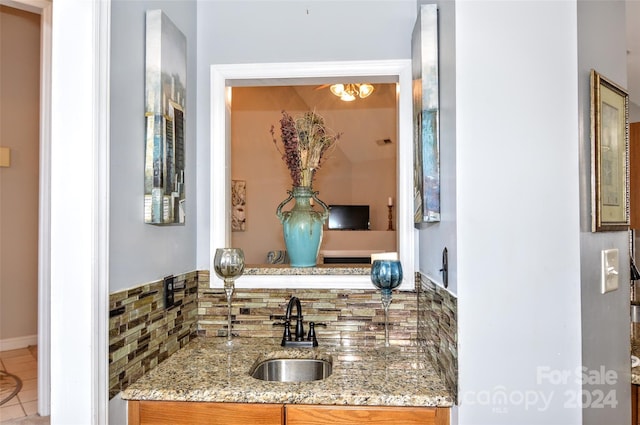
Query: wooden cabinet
[(635, 392), (299, 414), (201, 413)]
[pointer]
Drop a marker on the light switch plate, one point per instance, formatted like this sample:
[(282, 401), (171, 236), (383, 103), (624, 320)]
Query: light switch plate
[(5, 157), (610, 270)]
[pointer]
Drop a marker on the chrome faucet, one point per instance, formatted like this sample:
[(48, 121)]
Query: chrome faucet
[(299, 339)]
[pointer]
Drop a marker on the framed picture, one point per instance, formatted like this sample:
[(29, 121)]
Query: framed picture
[(238, 205), (609, 155)]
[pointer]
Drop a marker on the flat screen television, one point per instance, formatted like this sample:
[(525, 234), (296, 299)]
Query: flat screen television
[(348, 217)]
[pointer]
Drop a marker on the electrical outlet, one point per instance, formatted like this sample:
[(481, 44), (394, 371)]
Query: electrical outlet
[(610, 270), (168, 291)]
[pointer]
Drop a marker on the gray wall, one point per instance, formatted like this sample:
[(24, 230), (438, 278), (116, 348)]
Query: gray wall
[(141, 252), (605, 318), (517, 221), (285, 31), (634, 112)]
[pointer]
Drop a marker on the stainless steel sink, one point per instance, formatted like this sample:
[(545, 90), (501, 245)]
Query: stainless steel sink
[(635, 313), (291, 370)]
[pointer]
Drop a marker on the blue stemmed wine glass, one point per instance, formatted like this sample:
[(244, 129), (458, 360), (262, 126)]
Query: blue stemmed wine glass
[(386, 275), (229, 265)]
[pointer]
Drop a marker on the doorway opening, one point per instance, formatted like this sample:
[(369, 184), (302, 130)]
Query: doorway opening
[(224, 77)]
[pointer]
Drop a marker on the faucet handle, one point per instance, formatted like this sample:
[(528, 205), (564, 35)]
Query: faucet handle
[(287, 333), (312, 334)]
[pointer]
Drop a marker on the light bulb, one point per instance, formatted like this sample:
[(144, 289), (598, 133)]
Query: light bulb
[(349, 92), (337, 89), (347, 97), (365, 90)]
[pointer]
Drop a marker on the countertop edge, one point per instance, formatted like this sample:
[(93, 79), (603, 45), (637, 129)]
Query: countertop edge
[(197, 373)]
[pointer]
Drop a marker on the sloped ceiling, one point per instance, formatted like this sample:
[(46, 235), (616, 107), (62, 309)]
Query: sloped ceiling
[(362, 123)]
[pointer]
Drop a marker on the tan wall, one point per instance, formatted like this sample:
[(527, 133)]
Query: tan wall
[(340, 180), (19, 130)]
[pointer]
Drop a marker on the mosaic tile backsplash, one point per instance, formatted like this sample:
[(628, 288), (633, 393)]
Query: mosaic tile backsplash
[(438, 330), (143, 334), (354, 316)]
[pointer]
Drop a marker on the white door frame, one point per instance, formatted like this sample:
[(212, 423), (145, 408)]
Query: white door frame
[(79, 213), (44, 221), (73, 256)]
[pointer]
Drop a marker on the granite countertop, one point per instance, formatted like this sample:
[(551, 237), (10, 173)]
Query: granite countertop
[(201, 371), (320, 269)]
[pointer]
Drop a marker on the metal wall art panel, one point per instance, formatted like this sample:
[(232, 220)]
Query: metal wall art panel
[(165, 93), (426, 116)]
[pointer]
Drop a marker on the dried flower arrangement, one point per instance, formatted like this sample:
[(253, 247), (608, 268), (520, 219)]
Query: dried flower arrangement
[(305, 141)]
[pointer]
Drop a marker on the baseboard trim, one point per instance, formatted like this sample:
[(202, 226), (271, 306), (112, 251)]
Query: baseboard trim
[(16, 343)]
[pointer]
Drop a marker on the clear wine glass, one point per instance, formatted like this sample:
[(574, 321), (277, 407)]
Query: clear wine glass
[(386, 275), (229, 265)]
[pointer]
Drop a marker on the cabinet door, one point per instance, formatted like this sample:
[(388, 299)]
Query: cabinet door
[(201, 413), (371, 415), (634, 404)]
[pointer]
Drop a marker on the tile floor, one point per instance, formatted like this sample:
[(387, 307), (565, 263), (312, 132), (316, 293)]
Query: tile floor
[(23, 363)]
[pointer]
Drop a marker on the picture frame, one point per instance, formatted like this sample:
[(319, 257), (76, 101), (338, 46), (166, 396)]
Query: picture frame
[(609, 155), (238, 205)]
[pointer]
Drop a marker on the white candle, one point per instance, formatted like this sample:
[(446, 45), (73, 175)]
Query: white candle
[(384, 256), (390, 202)]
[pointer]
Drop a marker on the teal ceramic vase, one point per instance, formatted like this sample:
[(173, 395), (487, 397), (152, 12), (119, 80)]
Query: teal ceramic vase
[(302, 226)]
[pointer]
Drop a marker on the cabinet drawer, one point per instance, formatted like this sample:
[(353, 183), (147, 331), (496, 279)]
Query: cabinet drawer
[(201, 413), (371, 415)]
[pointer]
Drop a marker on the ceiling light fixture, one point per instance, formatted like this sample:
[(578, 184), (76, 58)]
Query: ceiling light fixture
[(349, 92)]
